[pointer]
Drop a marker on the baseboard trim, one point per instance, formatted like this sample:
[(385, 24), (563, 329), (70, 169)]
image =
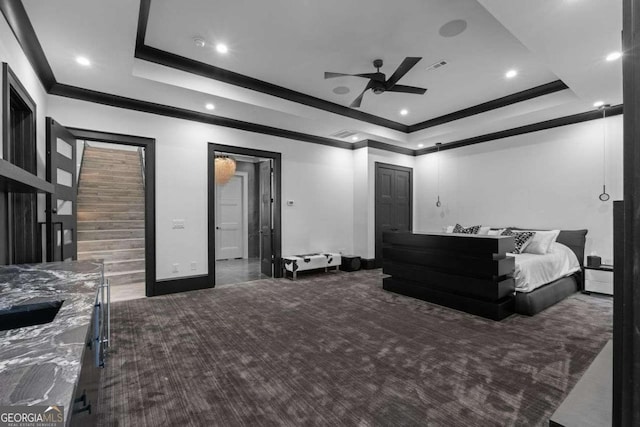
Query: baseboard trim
[(368, 264), (182, 284)]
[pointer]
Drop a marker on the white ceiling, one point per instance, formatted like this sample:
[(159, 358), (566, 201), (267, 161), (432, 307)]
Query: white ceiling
[(292, 42)]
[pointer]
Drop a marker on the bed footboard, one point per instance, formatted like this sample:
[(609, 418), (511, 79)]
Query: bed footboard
[(465, 272)]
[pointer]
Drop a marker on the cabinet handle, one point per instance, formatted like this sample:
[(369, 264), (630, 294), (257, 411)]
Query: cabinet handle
[(82, 399)]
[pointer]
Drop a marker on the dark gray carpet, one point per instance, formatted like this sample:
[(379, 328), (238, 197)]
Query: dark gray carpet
[(335, 349)]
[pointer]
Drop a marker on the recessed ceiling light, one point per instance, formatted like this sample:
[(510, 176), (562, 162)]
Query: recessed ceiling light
[(511, 74), (222, 48), (598, 104), (209, 106), (420, 145), (199, 41), (613, 56), (83, 61), (404, 112)]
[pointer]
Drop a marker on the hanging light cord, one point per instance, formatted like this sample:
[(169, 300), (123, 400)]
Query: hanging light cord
[(604, 149), (438, 172)]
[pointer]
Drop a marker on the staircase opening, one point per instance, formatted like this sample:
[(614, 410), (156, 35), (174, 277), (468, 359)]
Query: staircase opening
[(111, 214)]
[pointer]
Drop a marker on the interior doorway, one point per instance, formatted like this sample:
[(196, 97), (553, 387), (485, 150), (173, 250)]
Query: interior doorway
[(244, 214), (393, 203), (116, 209)]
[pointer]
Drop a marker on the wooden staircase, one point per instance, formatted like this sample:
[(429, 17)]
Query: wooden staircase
[(111, 213)]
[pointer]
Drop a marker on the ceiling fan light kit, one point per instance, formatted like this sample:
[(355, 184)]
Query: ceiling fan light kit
[(378, 83)]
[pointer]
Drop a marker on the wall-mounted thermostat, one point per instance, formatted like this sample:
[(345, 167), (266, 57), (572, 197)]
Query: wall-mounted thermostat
[(289, 202)]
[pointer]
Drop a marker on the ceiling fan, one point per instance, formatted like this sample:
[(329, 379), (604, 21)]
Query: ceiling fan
[(378, 82)]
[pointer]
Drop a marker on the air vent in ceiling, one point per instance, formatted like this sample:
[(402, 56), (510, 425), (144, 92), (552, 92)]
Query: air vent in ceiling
[(343, 134), (436, 65)]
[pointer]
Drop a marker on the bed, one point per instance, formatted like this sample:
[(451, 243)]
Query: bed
[(478, 274), (532, 301)]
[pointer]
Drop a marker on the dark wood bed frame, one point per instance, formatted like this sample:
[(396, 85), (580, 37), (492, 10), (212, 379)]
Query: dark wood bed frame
[(471, 272)]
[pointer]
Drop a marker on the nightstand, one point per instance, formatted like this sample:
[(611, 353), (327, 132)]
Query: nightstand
[(599, 279)]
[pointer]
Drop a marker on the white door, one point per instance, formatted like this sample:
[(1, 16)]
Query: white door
[(229, 218)]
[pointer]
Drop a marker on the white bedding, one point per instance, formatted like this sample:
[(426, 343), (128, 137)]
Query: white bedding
[(533, 270)]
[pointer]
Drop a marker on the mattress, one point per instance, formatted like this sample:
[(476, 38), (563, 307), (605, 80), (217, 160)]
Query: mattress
[(533, 270)]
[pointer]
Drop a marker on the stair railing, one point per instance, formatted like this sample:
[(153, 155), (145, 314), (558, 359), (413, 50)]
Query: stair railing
[(142, 164)]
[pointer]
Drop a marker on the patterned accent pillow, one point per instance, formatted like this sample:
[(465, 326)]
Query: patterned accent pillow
[(522, 239), (469, 230)]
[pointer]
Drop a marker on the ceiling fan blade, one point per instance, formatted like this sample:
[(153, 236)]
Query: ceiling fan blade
[(379, 77), (374, 76), (356, 102), (407, 89), (408, 63), (330, 75)]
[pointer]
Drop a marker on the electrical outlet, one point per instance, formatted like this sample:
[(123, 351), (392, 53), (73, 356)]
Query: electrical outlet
[(175, 267), (194, 266)]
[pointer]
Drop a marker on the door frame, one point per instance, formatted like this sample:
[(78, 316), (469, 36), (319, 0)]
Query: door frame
[(378, 242), (277, 202), (149, 145), (245, 213)]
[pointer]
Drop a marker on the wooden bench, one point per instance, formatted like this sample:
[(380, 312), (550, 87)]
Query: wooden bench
[(295, 263)]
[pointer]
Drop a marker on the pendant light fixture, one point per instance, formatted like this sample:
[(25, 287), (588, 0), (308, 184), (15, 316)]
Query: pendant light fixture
[(438, 144), (225, 168), (604, 196)]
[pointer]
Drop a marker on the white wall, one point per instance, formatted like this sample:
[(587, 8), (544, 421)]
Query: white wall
[(317, 178), (12, 54), (547, 179)]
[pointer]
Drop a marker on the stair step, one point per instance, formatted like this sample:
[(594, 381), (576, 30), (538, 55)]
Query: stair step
[(109, 199), (125, 277), (115, 266), (110, 225), (113, 255), (82, 191), (93, 235), (89, 176), (109, 216), (111, 176), (101, 245), (124, 165), (90, 152), (105, 185), (111, 207)]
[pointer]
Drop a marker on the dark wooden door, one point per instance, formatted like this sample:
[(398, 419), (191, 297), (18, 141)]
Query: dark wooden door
[(394, 202), (61, 205), (266, 212)]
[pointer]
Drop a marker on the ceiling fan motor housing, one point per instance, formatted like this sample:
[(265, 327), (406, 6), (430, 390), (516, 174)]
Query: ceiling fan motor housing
[(378, 88)]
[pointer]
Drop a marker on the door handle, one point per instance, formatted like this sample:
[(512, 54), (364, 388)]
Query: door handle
[(217, 228)]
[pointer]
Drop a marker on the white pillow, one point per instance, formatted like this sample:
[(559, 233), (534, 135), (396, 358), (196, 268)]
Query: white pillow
[(449, 229), (484, 230), (541, 242), (496, 232)]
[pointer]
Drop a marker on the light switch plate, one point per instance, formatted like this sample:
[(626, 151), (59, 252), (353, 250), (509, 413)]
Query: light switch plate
[(178, 224)]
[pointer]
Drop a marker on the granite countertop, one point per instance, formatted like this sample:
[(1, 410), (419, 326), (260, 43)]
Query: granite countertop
[(40, 365)]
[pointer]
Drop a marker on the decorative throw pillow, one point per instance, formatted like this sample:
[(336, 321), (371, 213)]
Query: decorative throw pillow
[(448, 229), (541, 242), (522, 239), (468, 230)]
